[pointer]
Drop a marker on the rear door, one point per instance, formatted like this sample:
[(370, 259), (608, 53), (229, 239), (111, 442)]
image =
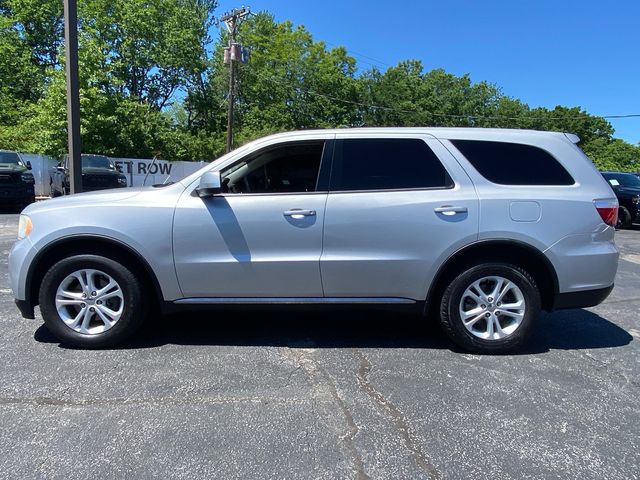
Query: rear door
[(398, 206)]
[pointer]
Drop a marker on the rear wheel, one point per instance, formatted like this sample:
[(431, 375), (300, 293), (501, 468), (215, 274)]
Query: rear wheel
[(490, 308), (91, 301), (624, 218), (54, 191)]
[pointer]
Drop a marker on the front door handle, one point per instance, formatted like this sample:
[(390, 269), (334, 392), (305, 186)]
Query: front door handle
[(450, 210), (299, 213)]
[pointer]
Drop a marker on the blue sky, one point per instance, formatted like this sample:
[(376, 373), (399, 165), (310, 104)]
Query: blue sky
[(573, 53)]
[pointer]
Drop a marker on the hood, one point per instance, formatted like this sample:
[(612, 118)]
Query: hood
[(101, 171), (88, 198), (628, 190), (12, 167)]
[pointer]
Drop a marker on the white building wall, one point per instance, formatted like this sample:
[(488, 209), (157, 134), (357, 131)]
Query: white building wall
[(135, 169)]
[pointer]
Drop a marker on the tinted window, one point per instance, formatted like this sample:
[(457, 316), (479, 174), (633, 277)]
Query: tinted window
[(96, 161), (10, 158), (285, 168), (622, 179), (394, 163), (513, 163)]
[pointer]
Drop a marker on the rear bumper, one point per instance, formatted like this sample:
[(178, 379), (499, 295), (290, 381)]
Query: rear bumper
[(585, 262), (581, 299)]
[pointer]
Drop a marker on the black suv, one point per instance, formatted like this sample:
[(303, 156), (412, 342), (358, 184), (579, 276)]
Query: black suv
[(16, 181), (626, 186), (98, 173)]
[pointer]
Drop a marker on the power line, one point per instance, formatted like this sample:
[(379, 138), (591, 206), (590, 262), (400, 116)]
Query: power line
[(436, 114), (358, 54)]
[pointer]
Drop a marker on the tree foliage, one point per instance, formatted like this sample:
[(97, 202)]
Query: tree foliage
[(153, 83), (135, 58), (289, 83)]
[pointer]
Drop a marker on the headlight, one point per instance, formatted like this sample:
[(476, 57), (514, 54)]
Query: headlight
[(24, 227), (27, 177), (122, 180), (636, 199)]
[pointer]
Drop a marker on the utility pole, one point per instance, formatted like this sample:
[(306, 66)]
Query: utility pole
[(232, 81), (73, 94), (232, 20)]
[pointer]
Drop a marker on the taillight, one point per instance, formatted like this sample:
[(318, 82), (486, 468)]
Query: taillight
[(608, 210)]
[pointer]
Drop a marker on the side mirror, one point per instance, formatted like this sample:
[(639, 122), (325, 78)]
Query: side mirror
[(28, 165), (210, 185)]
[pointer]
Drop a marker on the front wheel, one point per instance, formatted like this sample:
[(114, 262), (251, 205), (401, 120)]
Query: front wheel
[(91, 301), (490, 308)]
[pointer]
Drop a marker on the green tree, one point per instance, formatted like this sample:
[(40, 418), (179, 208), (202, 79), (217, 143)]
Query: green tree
[(135, 57), (405, 95), (614, 155), (291, 82), (152, 83)]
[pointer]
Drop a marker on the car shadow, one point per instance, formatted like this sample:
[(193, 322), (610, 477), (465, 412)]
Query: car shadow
[(565, 330)]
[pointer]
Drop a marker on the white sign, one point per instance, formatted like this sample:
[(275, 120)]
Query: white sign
[(135, 169), (149, 172)]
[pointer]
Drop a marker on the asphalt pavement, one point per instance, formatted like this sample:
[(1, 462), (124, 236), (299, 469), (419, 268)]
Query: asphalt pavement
[(334, 394)]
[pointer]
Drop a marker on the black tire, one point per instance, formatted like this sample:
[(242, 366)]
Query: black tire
[(133, 313), (624, 218), (453, 296)]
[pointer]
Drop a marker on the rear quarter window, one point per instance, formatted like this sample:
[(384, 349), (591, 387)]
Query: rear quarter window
[(508, 163)]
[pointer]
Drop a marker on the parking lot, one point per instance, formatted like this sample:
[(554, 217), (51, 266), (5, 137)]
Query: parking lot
[(334, 394)]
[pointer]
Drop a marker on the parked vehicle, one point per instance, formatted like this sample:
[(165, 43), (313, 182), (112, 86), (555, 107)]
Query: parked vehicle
[(98, 173), (626, 186), (483, 228), (16, 181)]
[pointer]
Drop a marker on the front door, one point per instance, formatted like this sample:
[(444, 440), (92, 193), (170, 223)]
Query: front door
[(262, 238)]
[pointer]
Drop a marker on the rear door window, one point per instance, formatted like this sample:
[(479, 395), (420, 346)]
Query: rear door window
[(507, 163), (386, 164)]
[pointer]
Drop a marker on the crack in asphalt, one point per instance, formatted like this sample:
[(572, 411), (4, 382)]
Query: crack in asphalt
[(399, 421), (58, 402), (319, 378), (610, 370)]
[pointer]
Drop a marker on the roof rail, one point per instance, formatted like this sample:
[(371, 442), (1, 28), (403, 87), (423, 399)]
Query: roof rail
[(572, 137)]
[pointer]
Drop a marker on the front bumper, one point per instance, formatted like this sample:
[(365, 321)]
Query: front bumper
[(21, 255), (16, 194)]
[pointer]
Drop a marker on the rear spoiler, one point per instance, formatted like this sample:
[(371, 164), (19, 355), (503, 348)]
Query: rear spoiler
[(572, 137)]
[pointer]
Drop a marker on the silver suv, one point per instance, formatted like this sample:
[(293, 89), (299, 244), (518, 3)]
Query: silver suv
[(483, 228)]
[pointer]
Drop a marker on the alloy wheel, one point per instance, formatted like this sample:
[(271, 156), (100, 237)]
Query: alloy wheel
[(89, 301), (492, 308)]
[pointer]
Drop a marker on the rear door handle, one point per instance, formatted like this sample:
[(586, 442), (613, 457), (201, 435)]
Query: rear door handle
[(299, 213), (450, 210)]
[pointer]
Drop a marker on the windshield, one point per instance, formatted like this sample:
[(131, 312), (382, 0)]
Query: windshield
[(622, 179), (96, 161), (10, 158)]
